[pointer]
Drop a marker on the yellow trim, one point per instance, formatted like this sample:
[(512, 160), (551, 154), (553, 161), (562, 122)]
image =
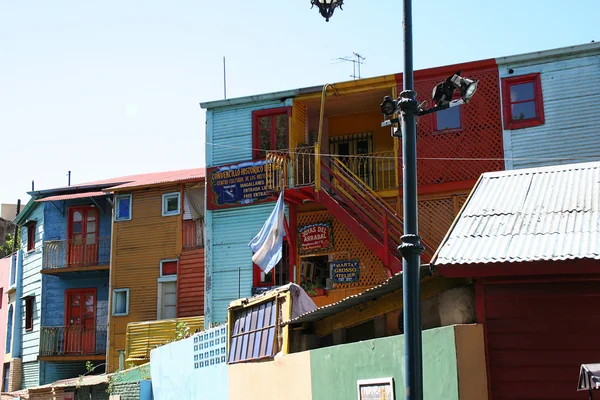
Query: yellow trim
[(383, 305), (356, 86), (319, 138), (286, 329)]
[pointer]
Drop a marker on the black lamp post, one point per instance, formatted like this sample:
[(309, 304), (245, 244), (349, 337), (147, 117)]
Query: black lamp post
[(411, 248)]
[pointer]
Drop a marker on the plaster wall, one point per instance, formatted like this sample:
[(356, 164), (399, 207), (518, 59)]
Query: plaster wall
[(286, 377)]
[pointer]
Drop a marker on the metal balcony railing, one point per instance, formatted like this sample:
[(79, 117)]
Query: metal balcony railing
[(76, 252), (72, 340)]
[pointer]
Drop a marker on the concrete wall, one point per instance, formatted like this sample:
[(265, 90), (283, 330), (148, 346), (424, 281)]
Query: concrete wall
[(288, 377), (449, 354), (173, 366)]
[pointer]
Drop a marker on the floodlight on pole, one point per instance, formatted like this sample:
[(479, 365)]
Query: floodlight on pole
[(327, 7)]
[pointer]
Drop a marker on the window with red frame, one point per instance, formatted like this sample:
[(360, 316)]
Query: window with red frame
[(31, 236), (449, 119), (522, 101), (277, 276), (270, 130)]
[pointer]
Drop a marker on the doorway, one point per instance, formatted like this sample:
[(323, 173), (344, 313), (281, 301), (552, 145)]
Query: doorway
[(80, 321), (82, 236)]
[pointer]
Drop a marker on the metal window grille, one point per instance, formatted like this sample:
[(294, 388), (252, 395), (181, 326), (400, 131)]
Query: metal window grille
[(253, 335)]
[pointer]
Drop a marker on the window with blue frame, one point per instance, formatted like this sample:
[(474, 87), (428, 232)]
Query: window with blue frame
[(123, 207)]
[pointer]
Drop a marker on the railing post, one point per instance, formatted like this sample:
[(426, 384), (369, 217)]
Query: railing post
[(386, 239)]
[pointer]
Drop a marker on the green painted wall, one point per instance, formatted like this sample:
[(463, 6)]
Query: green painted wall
[(335, 370)]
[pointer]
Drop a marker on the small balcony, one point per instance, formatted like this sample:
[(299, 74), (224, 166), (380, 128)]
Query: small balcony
[(72, 343), (193, 234), (76, 255)]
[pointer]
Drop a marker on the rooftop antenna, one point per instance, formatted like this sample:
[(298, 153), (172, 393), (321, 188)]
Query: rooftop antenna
[(69, 179), (32, 186), (356, 61), (224, 80)]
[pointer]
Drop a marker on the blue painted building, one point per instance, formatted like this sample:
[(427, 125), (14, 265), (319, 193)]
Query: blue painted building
[(551, 106), (61, 283)]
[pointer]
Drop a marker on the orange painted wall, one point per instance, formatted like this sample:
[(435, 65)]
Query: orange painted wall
[(138, 246), (362, 123)]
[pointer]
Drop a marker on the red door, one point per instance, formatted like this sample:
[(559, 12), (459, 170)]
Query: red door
[(83, 236), (80, 321)]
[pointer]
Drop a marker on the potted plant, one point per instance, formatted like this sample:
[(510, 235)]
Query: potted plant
[(313, 289)]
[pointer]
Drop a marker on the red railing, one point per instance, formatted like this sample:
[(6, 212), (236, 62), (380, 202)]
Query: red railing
[(76, 253), (72, 340), (193, 234)]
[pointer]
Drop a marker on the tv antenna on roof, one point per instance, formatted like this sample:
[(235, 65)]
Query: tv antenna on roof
[(356, 61)]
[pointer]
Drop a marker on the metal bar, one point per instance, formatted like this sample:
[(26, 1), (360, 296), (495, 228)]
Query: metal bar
[(411, 247)]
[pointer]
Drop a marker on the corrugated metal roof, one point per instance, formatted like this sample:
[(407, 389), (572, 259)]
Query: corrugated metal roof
[(162, 177), (71, 196), (548, 213), (389, 285)]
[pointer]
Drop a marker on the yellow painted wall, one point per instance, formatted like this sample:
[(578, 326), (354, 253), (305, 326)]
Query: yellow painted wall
[(287, 377), (360, 123), (138, 246), (470, 358)]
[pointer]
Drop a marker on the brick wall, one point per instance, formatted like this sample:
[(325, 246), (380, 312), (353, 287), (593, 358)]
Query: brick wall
[(127, 390), (15, 375)]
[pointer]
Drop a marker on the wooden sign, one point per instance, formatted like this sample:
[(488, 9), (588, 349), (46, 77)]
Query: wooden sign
[(345, 271), (376, 389), (315, 238), (236, 184)]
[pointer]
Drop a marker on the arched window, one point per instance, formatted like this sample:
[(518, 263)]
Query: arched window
[(9, 325)]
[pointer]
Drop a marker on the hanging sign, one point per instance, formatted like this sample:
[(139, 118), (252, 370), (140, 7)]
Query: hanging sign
[(237, 184), (345, 271), (314, 238)]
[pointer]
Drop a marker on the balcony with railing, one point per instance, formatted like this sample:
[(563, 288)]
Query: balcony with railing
[(73, 342), (76, 254)]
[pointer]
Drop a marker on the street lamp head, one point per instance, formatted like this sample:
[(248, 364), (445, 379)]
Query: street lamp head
[(326, 7), (389, 106), (444, 91), (467, 88)]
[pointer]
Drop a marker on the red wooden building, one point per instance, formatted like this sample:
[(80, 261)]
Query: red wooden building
[(531, 240)]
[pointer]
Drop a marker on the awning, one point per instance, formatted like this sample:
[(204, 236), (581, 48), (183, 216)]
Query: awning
[(589, 377), (72, 196)]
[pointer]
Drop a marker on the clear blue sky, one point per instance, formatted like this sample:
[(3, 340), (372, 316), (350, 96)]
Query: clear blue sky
[(111, 88)]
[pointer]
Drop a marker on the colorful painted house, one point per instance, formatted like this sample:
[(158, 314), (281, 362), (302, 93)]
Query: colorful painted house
[(531, 240), (341, 173), (157, 261), (550, 107), (5, 318), (60, 283)]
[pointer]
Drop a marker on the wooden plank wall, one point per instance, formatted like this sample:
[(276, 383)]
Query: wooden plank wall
[(138, 246), (190, 284)]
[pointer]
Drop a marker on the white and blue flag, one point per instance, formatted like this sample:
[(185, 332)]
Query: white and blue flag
[(268, 244)]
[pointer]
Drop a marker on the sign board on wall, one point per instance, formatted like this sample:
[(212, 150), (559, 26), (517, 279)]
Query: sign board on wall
[(237, 184), (315, 238), (345, 271), (376, 389)]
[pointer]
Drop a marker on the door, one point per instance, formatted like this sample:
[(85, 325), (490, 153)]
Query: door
[(80, 321), (168, 304), (82, 238)]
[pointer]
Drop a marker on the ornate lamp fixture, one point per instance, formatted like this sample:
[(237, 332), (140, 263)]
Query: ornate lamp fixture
[(326, 7)]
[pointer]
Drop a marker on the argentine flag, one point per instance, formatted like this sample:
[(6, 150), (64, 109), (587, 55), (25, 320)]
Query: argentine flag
[(267, 245)]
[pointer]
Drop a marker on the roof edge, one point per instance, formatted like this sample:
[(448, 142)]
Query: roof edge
[(255, 98), (578, 49)]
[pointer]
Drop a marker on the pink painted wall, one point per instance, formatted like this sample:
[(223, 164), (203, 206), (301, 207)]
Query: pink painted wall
[(4, 284)]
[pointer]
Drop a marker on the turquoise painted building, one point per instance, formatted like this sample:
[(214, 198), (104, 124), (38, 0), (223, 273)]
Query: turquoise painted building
[(229, 273), (62, 272)]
